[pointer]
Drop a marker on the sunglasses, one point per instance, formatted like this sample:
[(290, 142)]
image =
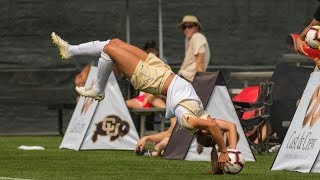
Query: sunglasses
[(188, 26)]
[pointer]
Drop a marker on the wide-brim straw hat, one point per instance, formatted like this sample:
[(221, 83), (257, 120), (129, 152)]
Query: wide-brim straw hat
[(189, 19)]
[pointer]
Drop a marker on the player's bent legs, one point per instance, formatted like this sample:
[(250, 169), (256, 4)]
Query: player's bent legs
[(148, 78), (133, 103), (93, 48), (146, 72), (97, 90), (139, 53), (156, 101), (264, 133), (124, 59), (158, 147)]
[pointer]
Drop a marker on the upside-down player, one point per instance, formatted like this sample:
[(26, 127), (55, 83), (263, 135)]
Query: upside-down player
[(148, 73)]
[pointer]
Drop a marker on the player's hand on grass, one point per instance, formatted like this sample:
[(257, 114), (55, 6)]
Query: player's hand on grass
[(140, 144)]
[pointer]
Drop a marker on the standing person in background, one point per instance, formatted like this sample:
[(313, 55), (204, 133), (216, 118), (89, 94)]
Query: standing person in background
[(197, 51), (300, 45)]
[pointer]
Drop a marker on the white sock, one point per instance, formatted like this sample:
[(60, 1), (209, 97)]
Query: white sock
[(93, 48), (104, 70)]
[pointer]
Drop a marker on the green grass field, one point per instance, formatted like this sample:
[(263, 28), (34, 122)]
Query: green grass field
[(55, 163)]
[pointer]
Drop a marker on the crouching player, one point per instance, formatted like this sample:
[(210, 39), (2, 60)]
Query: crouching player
[(161, 139)]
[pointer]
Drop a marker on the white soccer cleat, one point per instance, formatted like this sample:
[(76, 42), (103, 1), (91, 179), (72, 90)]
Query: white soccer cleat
[(90, 92), (62, 45)]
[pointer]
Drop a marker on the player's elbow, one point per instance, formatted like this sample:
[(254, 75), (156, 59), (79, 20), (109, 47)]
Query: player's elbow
[(233, 127), (167, 133), (213, 124)]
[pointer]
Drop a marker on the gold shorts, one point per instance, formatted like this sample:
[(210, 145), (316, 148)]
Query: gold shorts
[(195, 110), (150, 75)]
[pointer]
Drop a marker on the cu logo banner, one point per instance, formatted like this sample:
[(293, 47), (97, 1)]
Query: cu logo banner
[(111, 126), (313, 110)]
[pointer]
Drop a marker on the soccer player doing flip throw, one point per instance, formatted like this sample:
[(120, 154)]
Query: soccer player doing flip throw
[(149, 74)]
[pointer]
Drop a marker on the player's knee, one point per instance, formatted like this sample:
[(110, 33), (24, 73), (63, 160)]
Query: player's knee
[(109, 48), (112, 45), (165, 141), (115, 42)]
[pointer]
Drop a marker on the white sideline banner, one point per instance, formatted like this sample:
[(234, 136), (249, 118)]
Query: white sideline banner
[(220, 106), (111, 126), (300, 148), (194, 154), (81, 118), (105, 125)]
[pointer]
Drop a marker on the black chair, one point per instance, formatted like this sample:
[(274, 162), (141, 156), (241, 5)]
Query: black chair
[(256, 115)]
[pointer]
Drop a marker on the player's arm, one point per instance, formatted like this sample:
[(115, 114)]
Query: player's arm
[(164, 134), (300, 41), (213, 128), (151, 138), (231, 130), (156, 137), (200, 62)]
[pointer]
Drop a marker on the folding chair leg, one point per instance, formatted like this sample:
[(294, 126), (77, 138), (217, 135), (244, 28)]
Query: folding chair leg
[(256, 147), (260, 137), (267, 138)]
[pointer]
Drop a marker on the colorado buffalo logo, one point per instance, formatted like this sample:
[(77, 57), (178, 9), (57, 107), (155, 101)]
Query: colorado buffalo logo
[(313, 110), (111, 126)]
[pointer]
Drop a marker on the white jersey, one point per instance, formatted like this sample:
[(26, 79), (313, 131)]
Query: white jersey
[(179, 90)]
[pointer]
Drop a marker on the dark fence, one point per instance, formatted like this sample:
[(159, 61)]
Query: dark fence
[(32, 76)]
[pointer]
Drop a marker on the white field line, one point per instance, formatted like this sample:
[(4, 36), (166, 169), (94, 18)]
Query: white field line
[(10, 178)]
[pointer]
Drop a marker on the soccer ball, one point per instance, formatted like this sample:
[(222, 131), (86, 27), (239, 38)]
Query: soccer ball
[(236, 160), (313, 37)]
